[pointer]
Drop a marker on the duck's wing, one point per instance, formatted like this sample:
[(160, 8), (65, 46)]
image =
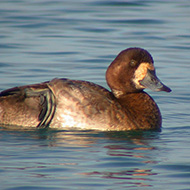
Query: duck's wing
[(28, 106), (83, 104)]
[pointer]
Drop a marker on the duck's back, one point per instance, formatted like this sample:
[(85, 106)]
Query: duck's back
[(62, 103), (23, 105)]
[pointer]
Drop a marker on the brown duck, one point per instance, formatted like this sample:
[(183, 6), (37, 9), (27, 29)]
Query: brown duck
[(61, 103)]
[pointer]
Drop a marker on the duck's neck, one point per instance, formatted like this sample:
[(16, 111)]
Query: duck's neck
[(143, 110)]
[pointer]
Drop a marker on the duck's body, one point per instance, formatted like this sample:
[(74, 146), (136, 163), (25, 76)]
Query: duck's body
[(70, 103)]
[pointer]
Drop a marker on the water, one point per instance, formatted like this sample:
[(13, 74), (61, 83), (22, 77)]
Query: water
[(43, 39)]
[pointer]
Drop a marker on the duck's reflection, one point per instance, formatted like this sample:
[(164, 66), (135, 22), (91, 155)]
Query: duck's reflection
[(126, 157), (132, 156)]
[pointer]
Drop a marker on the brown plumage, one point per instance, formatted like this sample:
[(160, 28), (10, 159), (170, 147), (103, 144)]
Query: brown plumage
[(85, 105)]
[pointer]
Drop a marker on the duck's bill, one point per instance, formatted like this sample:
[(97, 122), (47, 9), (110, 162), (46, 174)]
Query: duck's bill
[(152, 82)]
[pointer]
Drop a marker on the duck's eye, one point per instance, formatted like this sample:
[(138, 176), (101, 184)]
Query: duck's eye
[(133, 63)]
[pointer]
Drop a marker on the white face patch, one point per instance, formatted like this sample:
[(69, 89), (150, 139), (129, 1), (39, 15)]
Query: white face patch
[(140, 73)]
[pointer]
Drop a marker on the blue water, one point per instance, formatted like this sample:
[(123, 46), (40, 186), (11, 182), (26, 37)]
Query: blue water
[(44, 39)]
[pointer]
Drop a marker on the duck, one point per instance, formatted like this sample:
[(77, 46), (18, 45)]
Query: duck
[(64, 103)]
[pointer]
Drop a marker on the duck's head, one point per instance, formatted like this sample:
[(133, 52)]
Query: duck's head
[(133, 71)]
